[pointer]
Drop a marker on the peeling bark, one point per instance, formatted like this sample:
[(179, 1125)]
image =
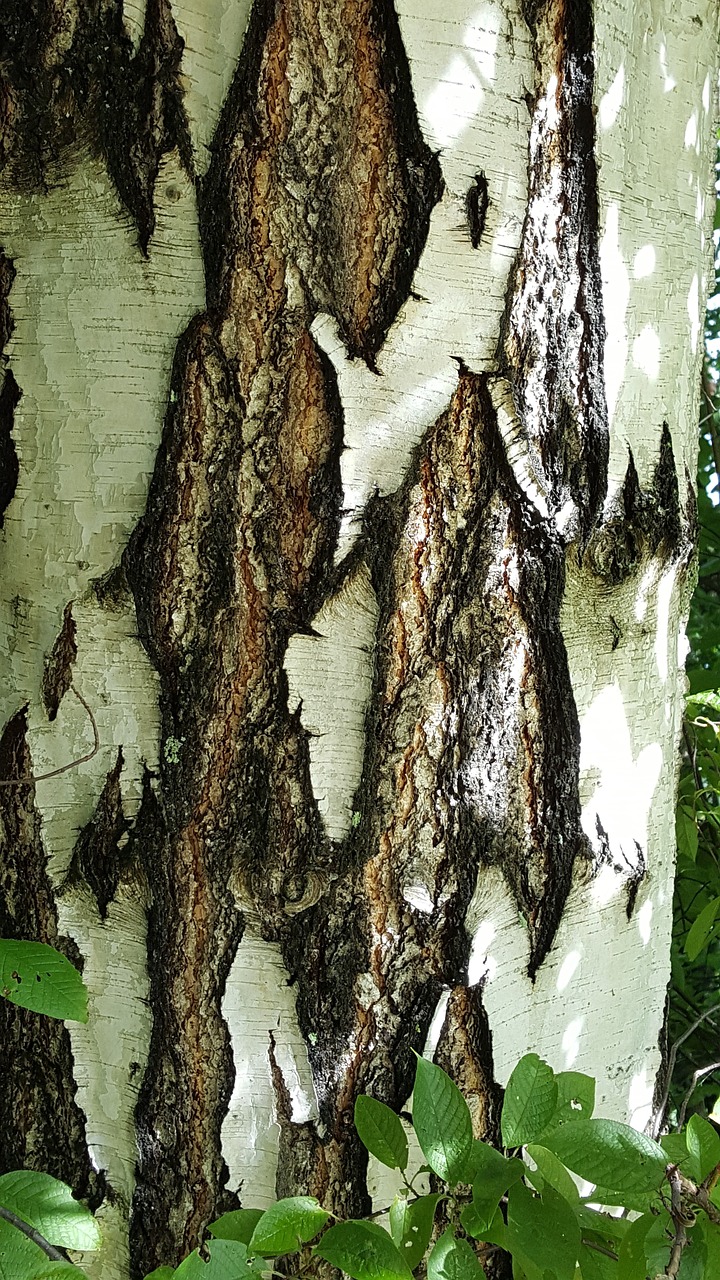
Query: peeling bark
[(317, 387), (57, 676), (10, 394), (70, 79), (43, 1127)]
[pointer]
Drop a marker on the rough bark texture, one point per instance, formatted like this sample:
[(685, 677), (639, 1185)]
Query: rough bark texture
[(43, 1126), (318, 201)]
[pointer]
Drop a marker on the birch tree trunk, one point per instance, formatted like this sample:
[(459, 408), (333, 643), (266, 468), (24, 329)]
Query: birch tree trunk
[(346, 440)]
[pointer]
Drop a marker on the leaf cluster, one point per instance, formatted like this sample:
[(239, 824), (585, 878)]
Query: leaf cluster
[(537, 1199)]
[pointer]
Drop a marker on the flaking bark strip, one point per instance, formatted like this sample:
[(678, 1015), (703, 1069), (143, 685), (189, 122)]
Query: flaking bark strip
[(642, 524), (353, 183), (234, 553), (100, 855), (10, 394), (41, 1125), (58, 669), (556, 287), (58, 94), (472, 728), (477, 201)]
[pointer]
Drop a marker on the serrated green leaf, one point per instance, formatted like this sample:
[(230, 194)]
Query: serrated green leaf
[(238, 1224), (381, 1132), (287, 1224), (701, 929), (631, 1253), (411, 1224), (453, 1259), (480, 1219), (229, 1260), (543, 1232), (610, 1154), (575, 1098), (711, 1236), (553, 1172), (20, 1259), (490, 1172), (686, 833), (48, 1205), (530, 1101), (703, 1146), (596, 1266), (675, 1148), (657, 1243), (610, 1231), (364, 1251), (37, 977), (61, 1271), (441, 1120)]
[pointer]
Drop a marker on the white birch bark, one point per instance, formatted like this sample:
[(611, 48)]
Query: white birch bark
[(95, 331)]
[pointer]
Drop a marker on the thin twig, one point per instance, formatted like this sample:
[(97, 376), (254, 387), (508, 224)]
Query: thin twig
[(73, 764), (698, 1075), (672, 1058), (51, 1250), (600, 1248)]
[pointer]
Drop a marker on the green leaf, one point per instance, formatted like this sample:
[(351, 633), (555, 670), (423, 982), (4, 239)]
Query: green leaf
[(657, 1243), (20, 1259), (228, 1261), (575, 1098), (711, 1236), (161, 1273), (453, 1259), (238, 1224), (675, 1148), (543, 1232), (39, 978), (381, 1132), (631, 1254), (287, 1224), (481, 1220), (364, 1251), (490, 1172), (596, 1266), (610, 1154), (441, 1120), (701, 929), (703, 1145), (553, 1172), (48, 1205), (686, 833), (530, 1100), (610, 1231), (411, 1224), (63, 1271)]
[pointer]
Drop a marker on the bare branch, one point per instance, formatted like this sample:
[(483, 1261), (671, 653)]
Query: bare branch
[(50, 1250)]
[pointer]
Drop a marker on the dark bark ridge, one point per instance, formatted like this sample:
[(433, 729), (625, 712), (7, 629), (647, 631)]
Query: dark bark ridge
[(100, 856), (71, 79), (554, 328), (10, 394), (234, 551), (59, 663), (42, 1125)]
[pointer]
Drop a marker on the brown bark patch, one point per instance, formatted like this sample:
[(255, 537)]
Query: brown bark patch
[(100, 855), (57, 673), (70, 79), (41, 1124)]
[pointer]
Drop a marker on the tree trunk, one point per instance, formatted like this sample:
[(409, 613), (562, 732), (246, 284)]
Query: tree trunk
[(346, 434)]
